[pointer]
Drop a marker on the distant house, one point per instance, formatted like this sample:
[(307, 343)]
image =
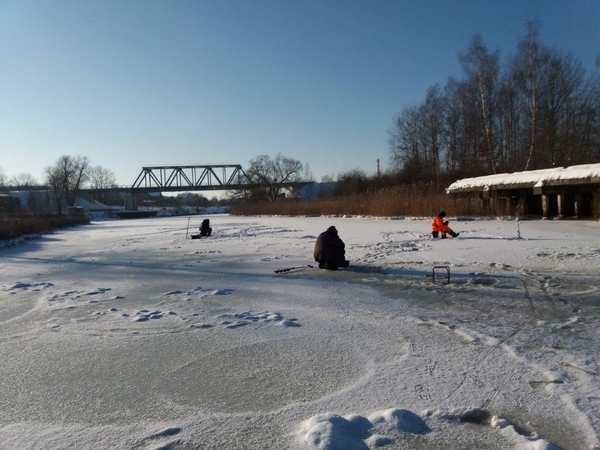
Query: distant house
[(312, 191), (42, 202), (33, 200), (8, 203), (572, 191)]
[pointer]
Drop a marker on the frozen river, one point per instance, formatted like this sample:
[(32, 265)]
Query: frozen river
[(128, 335)]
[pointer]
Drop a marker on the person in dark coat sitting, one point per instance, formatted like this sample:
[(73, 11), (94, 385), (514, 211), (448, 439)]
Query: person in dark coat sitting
[(330, 250), (205, 228)]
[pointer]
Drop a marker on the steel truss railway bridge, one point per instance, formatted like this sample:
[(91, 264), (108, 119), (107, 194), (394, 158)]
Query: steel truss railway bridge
[(224, 177), (191, 178)]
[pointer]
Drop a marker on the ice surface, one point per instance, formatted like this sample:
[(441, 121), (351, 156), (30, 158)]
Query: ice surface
[(123, 335)]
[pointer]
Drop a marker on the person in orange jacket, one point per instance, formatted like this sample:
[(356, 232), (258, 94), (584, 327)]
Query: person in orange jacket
[(439, 225)]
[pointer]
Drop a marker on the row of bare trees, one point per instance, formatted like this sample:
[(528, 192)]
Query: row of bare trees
[(65, 178), (69, 174), (96, 177), (539, 110), (20, 179)]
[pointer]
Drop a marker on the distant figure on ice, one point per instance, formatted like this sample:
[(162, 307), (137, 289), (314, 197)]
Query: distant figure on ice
[(330, 250), (439, 225), (205, 228)]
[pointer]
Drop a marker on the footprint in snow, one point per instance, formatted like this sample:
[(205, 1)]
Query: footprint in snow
[(98, 291), (161, 435), (237, 320), (144, 315), (20, 286), (222, 292), (174, 292)]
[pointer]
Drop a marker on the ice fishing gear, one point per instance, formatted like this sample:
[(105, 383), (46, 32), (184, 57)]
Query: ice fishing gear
[(289, 269), (441, 267), (517, 210)]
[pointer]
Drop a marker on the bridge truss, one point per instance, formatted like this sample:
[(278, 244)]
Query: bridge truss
[(191, 178)]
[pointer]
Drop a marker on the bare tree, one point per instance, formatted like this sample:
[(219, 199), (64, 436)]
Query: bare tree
[(307, 174), (451, 131), (482, 69), (592, 92), (530, 61), (66, 177), (510, 124), (269, 175), (3, 178), (351, 182), (407, 150), (23, 180), (101, 177), (562, 108), (433, 114)]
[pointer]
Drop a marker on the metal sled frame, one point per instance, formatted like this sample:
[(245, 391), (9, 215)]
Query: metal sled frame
[(441, 267)]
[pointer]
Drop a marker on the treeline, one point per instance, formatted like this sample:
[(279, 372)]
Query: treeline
[(537, 110)]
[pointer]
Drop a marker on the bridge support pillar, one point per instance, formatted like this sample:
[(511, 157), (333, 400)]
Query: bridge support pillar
[(128, 202)]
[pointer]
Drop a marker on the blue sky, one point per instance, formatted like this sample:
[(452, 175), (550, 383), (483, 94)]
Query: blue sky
[(140, 83)]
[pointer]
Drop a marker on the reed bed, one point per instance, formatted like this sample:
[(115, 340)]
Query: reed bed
[(388, 202), (20, 224)]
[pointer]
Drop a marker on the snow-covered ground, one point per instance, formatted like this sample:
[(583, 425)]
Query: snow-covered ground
[(127, 335)]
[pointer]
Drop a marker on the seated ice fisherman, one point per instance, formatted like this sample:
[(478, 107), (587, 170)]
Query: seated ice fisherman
[(205, 229), (330, 250), (439, 225)]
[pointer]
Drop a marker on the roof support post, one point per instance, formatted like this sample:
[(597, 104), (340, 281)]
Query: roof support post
[(560, 201), (545, 205), (577, 203)]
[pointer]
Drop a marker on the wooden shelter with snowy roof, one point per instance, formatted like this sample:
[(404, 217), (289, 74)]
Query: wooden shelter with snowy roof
[(572, 191)]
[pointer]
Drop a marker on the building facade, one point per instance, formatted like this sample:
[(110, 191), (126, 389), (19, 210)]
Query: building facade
[(561, 192)]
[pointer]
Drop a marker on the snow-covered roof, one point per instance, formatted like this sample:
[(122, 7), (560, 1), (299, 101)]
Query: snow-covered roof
[(92, 206), (582, 174)]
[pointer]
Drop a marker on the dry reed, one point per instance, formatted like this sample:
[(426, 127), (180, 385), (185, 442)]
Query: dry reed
[(388, 202), (20, 224)]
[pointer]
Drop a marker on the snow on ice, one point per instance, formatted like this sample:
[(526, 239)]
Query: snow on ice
[(127, 335)]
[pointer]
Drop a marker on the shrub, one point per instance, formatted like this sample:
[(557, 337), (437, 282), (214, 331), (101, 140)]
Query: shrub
[(19, 224)]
